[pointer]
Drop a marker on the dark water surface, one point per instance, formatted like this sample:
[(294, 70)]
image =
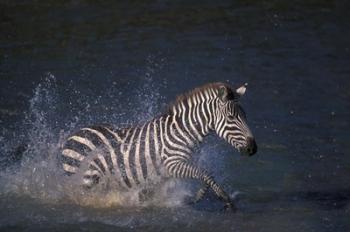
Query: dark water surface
[(68, 64)]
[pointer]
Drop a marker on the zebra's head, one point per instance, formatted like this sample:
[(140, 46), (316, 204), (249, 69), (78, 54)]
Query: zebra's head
[(231, 123)]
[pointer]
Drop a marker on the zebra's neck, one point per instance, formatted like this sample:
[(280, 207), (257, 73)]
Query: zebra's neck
[(194, 116)]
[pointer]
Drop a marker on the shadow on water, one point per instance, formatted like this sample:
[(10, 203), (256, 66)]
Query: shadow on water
[(338, 199), (327, 200)]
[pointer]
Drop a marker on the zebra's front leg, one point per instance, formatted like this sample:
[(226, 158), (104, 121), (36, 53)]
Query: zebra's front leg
[(183, 169), (199, 195)]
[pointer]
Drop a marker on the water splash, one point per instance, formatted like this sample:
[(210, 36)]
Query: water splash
[(148, 93), (38, 175)]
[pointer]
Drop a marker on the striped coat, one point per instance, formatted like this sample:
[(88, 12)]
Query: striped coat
[(162, 147)]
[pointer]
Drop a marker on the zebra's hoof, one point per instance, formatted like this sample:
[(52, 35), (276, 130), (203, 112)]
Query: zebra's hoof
[(229, 207)]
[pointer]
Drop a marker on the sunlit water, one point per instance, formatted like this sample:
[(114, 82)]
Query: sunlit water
[(75, 64)]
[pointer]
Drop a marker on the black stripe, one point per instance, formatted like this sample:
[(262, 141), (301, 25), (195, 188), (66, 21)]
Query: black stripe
[(189, 116), (122, 166), (207, 112), (95, 178), (201, 117), (170, 138), (68, 173), (77, 147), (70, 161), (178, 134), (120, 161), (193, 115), (196, 117), (132, 157), (100, 145), (120, 131), (94, 139), (107, 154), (142, 152), (92, 167), (232, 127), (100, 165)]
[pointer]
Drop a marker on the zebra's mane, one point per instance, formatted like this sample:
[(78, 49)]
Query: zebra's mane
[(210, 86)]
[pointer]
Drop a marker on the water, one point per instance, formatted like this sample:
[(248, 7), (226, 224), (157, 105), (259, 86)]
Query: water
[(65, 65)]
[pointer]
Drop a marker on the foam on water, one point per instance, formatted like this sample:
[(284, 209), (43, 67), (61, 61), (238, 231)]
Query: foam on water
[(38, 174)]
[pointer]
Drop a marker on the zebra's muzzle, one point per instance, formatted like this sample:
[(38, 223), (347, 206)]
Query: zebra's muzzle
[(251, 147)]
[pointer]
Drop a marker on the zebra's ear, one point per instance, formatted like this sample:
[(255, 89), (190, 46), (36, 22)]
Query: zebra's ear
[(241, 90)]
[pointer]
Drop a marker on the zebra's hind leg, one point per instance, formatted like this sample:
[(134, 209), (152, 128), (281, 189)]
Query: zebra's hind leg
[(90, 182), (91, 178), (146, 194)]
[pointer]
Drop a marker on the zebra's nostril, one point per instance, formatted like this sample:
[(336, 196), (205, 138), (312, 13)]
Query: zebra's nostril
[(251, 146)]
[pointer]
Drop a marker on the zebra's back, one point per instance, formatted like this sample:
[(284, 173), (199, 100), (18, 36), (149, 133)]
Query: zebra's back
[(127, 156)]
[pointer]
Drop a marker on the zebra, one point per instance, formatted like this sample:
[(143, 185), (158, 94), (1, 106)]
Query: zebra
[(162, 147)]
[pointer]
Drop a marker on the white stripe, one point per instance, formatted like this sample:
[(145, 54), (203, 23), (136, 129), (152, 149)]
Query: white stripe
[(137, 160), (191, 107), (103, 161), (206, 94), (198, 116), (184, 120), (94, 164), (87, 182), (110, 149), (220, 128), (156, 142), (181, 132), (150, 168), (161, 136), (173, 133), (101, 157), (114, 157), (92, 172), (84, 141), (166, 134), (203, 107), (69, 168), (118, 138), (210, 112), (126, 154), (72, 154)]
